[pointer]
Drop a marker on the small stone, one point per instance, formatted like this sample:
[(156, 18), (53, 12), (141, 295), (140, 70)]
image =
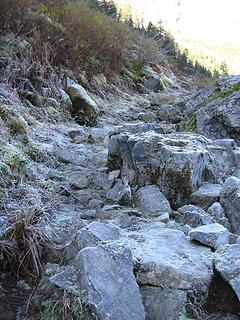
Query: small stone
[(164, 218)]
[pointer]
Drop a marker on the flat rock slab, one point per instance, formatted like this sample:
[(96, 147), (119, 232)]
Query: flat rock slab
[(152, 202), (227, 263), (212, 235), (108, 283), (164, 257)]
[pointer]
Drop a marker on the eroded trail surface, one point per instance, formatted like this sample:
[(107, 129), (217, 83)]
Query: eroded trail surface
[(136, 217)]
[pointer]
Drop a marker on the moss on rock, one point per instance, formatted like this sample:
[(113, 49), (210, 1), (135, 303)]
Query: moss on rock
[(13, 120)]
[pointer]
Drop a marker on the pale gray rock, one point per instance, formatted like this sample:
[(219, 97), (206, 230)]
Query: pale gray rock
[(147, 116), (178, 163), (227, 154), (222, 86), (194, 216), (163, 304), (90, 236), (65, 100), (169, 113), (165, 217), (212, 235), (206, 195), (152, 202), (120, 193), (79, 179), (137, 127), (100, 135), (67, 280), (96, 204), (217, 213), (164, 98), (85, 110), (95, 233), (113, 176), (164, 257), (152, 80), (78, 154), (230, 200), (108, 283), (227, 263), (61, 226)]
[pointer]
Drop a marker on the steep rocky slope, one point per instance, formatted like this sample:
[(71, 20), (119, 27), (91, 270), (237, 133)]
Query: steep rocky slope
[(120, 203)]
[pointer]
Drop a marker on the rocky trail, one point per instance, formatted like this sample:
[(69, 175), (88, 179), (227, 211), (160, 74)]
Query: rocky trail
[(142, 217)]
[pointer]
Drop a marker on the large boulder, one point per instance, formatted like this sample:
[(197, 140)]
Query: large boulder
[(179, 163), (85, 110), (214, 111), (152, 202), (164, 257), (108, 283), (230, 200)]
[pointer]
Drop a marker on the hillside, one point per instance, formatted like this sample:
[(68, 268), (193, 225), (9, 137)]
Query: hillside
[(119, 178), (212, 56)]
